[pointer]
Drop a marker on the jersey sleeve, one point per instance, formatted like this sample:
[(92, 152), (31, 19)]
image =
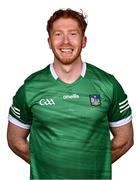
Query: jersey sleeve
[(120, 110), (19, 112)]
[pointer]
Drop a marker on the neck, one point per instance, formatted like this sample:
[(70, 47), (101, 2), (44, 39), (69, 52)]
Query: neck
[(68, 73)]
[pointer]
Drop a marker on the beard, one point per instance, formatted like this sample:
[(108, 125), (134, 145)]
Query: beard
[(67, 60)]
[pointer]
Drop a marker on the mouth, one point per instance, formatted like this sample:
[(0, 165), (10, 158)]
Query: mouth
[(66, 50)]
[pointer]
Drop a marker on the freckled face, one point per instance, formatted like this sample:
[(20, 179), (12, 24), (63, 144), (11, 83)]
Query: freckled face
[(66, 40)]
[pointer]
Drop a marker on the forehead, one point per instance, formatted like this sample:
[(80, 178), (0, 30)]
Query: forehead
[(65, 23)]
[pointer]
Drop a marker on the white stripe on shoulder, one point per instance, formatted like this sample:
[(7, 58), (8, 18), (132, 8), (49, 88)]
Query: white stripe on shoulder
[(18, 116), (126, 104), (14, 111), (124, 109), (16, 108), (121, 122), (123, 102), (18, 123)]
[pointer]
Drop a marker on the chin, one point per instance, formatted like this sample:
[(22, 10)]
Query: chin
[(67, 61)]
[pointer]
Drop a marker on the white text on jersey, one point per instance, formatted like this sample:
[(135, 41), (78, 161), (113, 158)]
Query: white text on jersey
[(72, 96), (46, 102)]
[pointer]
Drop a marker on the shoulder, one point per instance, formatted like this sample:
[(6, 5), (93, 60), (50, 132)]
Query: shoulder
[(37, 76), (103, 80), (99, 74)]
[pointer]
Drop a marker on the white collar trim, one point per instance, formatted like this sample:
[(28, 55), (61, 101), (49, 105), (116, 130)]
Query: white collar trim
[(55, 76), (52, 70), (83, 72)]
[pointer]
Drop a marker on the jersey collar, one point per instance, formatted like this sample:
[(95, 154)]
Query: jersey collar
[(55, 76)]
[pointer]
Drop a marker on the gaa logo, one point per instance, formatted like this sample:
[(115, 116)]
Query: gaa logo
[(46, 102)]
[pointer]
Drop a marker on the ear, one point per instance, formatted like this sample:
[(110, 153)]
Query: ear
[(84, 41), (49, 42)]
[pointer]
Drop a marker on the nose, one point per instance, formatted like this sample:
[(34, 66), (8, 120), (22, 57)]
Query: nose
[(65, 39)]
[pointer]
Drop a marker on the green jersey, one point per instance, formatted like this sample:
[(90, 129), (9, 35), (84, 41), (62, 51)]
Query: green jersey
[(69, 123)]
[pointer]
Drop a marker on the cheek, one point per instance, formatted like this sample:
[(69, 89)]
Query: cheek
[(79, 44), (53, 43), (57, 43)]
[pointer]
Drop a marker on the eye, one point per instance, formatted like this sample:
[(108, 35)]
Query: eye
[(73, 33), (57, 34)]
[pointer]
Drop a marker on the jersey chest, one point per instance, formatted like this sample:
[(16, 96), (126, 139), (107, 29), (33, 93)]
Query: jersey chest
[(69, 105)]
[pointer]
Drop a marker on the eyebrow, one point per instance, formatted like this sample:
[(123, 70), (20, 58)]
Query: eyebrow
[(70, 30)]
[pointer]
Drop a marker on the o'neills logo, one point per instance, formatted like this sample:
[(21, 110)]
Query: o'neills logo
[(73, 96)]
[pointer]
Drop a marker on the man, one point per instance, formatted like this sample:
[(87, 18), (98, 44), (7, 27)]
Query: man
[(69, 109)]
